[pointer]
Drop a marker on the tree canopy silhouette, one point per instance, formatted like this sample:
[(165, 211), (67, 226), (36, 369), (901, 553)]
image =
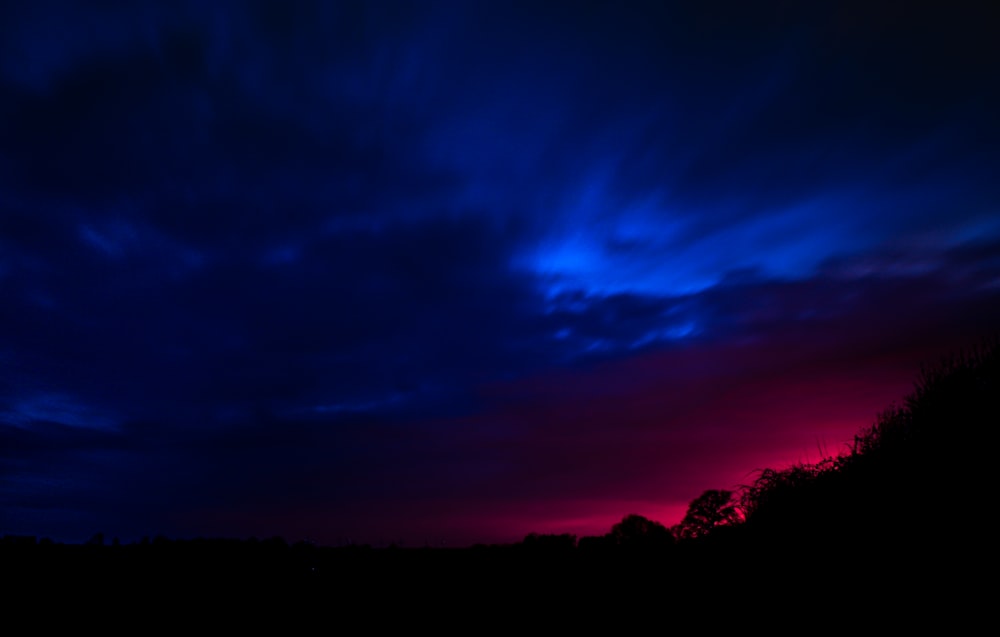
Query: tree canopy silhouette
[(712, 509), (930, 452), (636, 531)]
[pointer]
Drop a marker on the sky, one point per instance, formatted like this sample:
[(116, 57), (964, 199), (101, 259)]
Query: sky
[(444, 273)]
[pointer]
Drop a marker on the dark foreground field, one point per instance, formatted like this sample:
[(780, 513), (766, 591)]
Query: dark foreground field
[(736, 582)]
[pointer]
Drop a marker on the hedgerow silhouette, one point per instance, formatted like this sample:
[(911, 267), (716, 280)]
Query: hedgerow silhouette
[(919, 475)]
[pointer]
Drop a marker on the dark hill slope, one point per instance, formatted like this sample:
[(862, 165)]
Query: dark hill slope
[(906, 514)]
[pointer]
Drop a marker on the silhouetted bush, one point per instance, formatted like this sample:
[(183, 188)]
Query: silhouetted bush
[(635, 532), (918, 476), (712, 509)]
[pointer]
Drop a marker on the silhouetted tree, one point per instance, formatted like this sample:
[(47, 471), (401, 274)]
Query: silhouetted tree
[(635, 531), (713, 508)]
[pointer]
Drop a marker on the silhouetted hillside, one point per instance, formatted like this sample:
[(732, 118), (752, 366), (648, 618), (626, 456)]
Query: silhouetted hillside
[(919, 474), (901, 520)]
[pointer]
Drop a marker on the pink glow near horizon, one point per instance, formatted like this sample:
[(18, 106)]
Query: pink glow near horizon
[(574, 453), (708, 430), (581, 453)]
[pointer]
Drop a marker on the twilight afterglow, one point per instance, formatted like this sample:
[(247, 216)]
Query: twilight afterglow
[(442, 273)]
